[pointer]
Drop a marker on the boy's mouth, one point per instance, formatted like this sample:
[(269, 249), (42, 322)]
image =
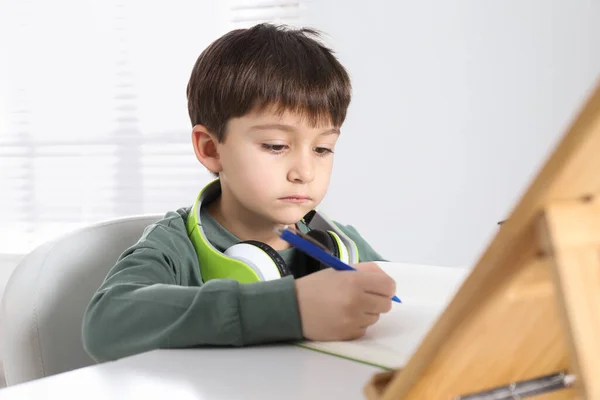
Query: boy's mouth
[(295, 199)]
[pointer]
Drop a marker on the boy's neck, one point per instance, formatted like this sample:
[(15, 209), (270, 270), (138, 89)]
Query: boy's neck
[(242, 224)]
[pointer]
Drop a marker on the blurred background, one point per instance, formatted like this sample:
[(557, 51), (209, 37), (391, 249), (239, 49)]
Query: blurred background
[(456, 105)]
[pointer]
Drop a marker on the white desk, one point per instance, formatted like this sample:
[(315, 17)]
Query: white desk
[(272, 372), (263, 372)]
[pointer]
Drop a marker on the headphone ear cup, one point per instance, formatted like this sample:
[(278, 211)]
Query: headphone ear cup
[(273, 254), (266, 263), (325, 238)]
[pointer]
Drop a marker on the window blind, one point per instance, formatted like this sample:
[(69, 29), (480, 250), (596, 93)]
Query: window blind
[(93, 113), (245, 13)]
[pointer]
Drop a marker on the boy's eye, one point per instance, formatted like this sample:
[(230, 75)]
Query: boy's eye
[(323, 151), (274, 148)]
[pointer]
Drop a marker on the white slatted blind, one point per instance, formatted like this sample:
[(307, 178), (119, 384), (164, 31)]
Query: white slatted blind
[(245, 13), (93, 114)]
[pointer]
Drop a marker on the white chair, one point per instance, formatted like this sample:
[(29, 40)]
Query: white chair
[(48, 292)]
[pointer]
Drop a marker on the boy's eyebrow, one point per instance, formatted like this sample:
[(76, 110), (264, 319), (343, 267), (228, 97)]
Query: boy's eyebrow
[(291, 129)]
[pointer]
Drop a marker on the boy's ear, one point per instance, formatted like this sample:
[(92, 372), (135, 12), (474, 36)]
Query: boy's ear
[(206, 148)]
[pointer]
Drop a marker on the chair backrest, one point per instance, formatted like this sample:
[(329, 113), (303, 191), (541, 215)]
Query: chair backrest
[(47, 294)]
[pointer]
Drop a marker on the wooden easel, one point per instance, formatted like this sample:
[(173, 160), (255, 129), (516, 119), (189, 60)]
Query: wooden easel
[(531, 305)]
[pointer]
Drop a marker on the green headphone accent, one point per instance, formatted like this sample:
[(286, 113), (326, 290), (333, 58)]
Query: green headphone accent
[(253, 261)]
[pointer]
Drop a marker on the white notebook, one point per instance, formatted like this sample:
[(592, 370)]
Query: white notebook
[(425, 292)]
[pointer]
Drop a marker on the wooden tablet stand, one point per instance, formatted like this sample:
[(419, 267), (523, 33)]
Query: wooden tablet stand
[(527, 318)]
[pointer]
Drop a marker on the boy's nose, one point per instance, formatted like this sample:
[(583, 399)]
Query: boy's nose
[(302, 170)]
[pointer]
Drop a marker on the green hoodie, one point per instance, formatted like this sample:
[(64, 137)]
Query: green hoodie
[(154, 296)]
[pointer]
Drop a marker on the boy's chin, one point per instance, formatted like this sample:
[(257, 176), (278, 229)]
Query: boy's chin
[(288, 218)]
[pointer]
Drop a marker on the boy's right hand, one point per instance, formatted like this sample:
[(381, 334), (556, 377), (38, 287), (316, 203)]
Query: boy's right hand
[(341, 305)]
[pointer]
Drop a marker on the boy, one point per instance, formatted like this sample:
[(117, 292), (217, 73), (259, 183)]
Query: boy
[(266, 105)]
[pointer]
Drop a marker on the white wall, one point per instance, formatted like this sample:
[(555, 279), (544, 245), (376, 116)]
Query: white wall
[(456, 105)]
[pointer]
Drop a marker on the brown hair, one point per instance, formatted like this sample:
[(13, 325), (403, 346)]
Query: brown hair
[(267, 66)]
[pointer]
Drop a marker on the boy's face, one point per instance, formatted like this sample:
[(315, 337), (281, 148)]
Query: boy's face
[(276, 167)]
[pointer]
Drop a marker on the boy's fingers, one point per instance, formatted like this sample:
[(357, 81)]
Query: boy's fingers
[(380, 284), (368, 320), (376, 303)]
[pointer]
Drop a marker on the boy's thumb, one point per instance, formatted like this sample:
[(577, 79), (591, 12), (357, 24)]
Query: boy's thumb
[(368, 267)]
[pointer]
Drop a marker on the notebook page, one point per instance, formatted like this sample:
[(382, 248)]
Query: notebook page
[(425, 292)]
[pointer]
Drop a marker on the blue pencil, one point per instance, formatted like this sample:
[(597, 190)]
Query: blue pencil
[(297, 240)]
